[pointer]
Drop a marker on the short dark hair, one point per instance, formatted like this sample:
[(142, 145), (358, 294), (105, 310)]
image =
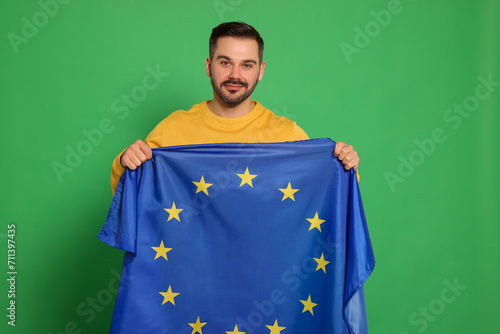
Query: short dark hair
[(238, 30)]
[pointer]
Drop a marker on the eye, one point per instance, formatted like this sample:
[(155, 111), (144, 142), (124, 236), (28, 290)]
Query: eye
[(247, 66), (225, 63)]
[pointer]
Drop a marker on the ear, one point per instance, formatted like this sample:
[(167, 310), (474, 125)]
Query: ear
[(261, 71), (207, 66)]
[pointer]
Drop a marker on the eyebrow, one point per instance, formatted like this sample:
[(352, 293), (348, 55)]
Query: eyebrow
[(245, 60)]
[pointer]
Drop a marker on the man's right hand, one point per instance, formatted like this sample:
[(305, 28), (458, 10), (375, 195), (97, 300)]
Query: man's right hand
[(135, 155)]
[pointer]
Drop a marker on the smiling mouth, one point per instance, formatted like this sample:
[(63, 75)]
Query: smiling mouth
[(233, 88)]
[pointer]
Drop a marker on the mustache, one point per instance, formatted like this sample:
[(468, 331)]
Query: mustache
[(234, 82)]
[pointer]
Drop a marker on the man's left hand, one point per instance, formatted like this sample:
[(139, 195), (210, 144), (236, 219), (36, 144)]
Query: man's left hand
[(347, 155)]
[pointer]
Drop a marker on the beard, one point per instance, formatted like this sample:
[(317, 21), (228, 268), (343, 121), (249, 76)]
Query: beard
[(231, 99)]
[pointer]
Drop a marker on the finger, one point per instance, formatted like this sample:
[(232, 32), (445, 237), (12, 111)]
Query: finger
[(345, 151), (142, 150), (351, 162), (127, 163), (347, 160), (338, 147), (135, 161), (122, 159), (348, 155), (147, 151), (139, 156), (131, 158), (131, 166)]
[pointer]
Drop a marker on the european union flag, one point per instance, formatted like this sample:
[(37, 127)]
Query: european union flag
[(240, 238)]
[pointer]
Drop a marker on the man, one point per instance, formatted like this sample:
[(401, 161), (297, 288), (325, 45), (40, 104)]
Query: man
[(234, 66)]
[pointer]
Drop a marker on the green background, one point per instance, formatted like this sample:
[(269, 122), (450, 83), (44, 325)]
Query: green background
[(431, 203)]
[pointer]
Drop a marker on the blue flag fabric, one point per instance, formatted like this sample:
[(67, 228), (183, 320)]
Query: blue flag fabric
[(240, 238)]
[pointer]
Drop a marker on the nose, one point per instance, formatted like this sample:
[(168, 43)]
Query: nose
[(234, 73)]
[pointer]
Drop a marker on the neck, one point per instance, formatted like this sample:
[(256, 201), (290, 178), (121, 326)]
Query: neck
[(222, 109)]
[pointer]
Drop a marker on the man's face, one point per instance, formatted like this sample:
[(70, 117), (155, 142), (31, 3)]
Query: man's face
[(234, 69)]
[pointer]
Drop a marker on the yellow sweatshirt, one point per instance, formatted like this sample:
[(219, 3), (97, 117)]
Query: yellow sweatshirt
[(199, 125)]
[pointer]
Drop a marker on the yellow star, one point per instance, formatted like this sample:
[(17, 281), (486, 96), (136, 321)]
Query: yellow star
[(246, 178), (202, 186), (275, 329), (321, 263), (315, 222), (173, 212), (288, 192), (235, 331), (308, 305), (161, 251), (169, 295), (197, 326)]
